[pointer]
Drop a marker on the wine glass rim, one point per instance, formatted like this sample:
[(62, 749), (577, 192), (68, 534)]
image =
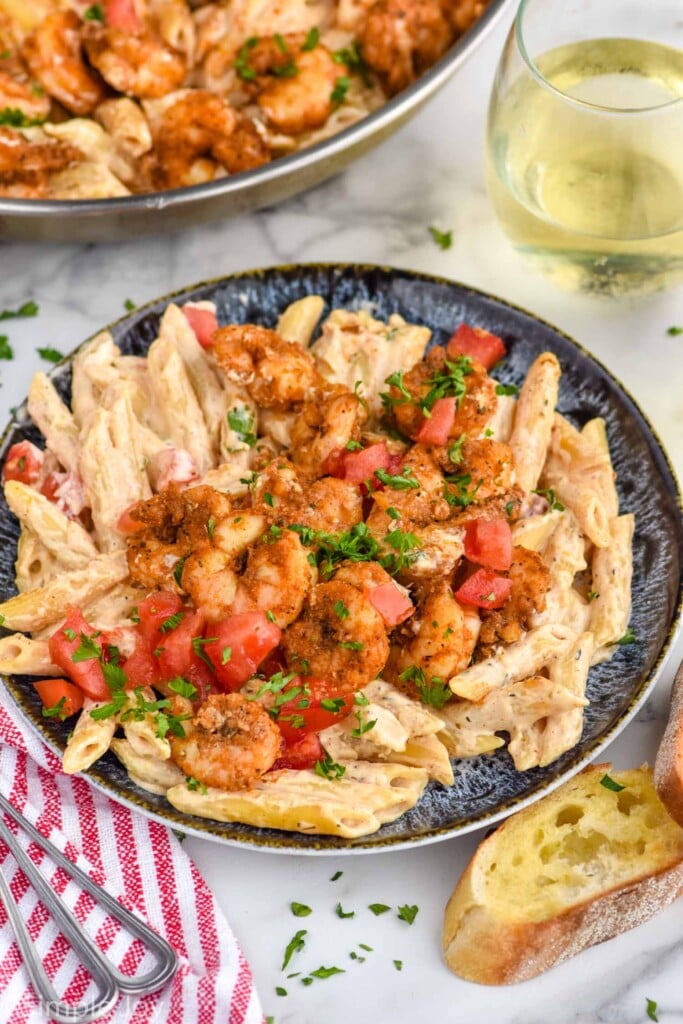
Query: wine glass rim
[(573, 100)]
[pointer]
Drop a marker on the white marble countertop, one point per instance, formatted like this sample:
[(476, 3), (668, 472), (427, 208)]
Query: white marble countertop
[(379, 211)]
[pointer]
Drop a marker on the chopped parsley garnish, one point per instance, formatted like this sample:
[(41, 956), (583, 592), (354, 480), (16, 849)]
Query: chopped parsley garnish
[(408, 913), (650, 1004), (300, 909), (70, 634), (333, 704), (338, 94), (194, 785), (288, 70), (336, 876), (178, 569), (129, 305), (269, 500), (15, 118), (87, 650), (507, 389), (674, 331), (50, 355), (27, 309), (329, 769), (270, 616), (592, 595), (378, 908), (444, 239), (350, 645), (447, 382), (360, 700), (311, 40), (241, 420), (211, 527), (549, 494), (226, 655), (362, 727), (393, 513), (6, 351), (509, 508), (461, 496), (434, 691), (341, 610), (198, 645), (455, 450), (398, 964), (340, 912), (352, 57), (395, 380), (246, 73), (249, 481), (327, 972), (171, 622), (608, 782), (295, 945), (353, 446), (406, 481), (182, 687), (57, 710), (629, 637), (94, 13)]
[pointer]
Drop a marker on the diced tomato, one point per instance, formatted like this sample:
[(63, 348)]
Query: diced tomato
[(302, 754), (391, 602), (203, 322), (154, 611), (242, 642), (333, 464), (88, 674), (484, 590), (125, 524), (482, 346), (202, 678), (65, 490), (176, 652), (23, 463), (360, 466), (436, 429), (172, 466), (51, 692), (272, 663), (142, 668), (489, 543), (121, 14), (326, 706)]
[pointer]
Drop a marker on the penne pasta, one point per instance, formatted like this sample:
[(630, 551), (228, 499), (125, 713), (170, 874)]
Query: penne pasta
[(55, 422), (563, 728), (65, 539), (155, 775), (612, 568), (89, 740), (300, 319), (533, 423), (577, 472), (19, 655)]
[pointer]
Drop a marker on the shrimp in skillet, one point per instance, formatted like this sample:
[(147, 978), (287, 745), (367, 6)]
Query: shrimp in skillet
[(17, 92), (339, 636), (278, 374), (401, 38), (229, 742), (135, 63), (54, 55), (197, 135), (26, 165)]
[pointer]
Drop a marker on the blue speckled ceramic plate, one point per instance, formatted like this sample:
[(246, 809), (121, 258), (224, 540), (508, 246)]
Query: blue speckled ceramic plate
[(486, 788)]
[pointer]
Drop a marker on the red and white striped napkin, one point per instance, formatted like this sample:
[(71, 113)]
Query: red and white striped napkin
[(144, 866)]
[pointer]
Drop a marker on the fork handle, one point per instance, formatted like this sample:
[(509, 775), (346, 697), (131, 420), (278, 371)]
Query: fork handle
[(167, 961), (54, 1008)]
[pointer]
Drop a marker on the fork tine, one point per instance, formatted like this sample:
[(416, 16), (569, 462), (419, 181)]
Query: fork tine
[(54, 1008), (167, 961)]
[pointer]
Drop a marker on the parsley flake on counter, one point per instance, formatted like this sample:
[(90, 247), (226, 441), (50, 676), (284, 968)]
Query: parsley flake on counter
[(339, 910), (444, 239), (651, 1009), (368, 949), (336, 876), (307, 981), (609, 783), (6, 350), (27, 309), (300, 909), (398, 964), (378, 908), (408, 913), (327, 972), (295, 945), (270, 1020), (629, 637), (129, 305), (280, 991), (180, 836), (674, 331), (50, 354)]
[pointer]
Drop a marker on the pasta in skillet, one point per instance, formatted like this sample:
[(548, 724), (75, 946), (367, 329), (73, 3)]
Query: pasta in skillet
[(287, 576), (132, 96)]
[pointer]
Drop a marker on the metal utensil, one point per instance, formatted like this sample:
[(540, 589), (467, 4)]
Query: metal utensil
[(110, 982)]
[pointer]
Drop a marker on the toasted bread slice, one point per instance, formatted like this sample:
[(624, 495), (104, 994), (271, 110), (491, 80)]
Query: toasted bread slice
[(580, 866), (669, 762)]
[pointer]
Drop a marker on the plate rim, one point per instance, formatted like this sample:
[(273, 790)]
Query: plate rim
[(285, 843)]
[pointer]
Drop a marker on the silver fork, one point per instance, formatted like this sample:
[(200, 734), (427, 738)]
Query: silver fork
[(110, 982)]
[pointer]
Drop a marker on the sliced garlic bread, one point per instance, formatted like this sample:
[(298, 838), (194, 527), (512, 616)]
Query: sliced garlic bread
[(580, 866), (669, 763)]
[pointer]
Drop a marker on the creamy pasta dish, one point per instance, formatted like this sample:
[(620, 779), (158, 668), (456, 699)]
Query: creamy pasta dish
[(133, 96), (287, 576)]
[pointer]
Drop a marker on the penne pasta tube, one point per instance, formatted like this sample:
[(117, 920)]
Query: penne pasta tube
[(499, 427), (595, 434), (563, 728), (35, 565), (47, 604), (612, 571), (534, 532), (140, 728), (90, 739), (99, 354), (533, 424), (55, 422), (19, 655), (535, 651), (576, 472), (68, 541), (156, 775), (125, 122), (299, 320)]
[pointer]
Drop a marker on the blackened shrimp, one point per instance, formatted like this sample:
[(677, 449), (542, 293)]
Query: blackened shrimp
[(530, 578), (137, 64), (286, 497), (54, 55), (276, 580), (401, 38), (339, 637), (26, 165), (325, 426), (278, 374), (229, 742), (439, 640)]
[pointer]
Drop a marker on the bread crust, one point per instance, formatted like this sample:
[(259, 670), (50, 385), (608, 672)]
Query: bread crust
[(485, 946), (669, 761)]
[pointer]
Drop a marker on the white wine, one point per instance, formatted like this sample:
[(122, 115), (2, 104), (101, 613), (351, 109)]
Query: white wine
[(593, 189)]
